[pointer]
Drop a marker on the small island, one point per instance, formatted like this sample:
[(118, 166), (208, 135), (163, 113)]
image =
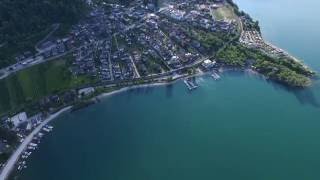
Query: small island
[(103, 46)]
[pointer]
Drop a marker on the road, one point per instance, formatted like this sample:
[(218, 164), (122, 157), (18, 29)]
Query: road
[(135, 68), (15, 156), (110, 63), (5, 72)]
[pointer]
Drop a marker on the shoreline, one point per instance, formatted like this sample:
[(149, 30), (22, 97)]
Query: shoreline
[(199, 74), (6, 171), (123, 89), (155, 84), (15, 156), (9, 166)]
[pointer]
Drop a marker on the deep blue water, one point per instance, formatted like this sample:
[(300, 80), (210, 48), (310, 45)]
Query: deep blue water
[(291, 24), (241, 127)]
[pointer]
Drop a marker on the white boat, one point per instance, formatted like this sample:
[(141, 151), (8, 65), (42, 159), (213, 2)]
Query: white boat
[(46, 129), (49, 127), (31, 148), (33, 144)]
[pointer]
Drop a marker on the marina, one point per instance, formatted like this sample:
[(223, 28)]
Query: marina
[(32, 146)]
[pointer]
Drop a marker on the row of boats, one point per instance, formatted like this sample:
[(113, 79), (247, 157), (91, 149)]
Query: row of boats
[(32, 146), (192, 84)]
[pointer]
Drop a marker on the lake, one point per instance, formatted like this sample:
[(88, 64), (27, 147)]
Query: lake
[(241, 127)]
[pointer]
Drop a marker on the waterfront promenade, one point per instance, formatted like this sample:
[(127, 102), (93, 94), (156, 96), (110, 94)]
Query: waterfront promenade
[(15, 156)]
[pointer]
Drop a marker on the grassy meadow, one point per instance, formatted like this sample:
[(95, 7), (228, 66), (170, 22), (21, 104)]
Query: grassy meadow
[(35, 82)]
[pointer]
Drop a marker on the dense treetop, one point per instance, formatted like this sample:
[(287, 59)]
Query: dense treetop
[(23, 21)]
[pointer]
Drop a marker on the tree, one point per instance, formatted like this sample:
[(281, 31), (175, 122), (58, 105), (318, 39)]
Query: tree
[(22, 22)]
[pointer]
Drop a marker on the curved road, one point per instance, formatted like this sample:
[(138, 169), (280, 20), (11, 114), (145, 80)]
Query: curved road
[(15, 156)]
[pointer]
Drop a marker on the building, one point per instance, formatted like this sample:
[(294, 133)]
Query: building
[(86, 91), (208, 64), (18, 119)]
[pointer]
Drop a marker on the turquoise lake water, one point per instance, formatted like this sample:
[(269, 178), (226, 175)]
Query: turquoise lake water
[(241, 127)]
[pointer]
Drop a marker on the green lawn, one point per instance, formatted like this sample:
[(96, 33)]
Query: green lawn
[(35, 82), (224, 12)]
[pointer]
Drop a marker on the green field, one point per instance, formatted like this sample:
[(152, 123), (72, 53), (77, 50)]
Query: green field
[(35, 82), (225, 12)]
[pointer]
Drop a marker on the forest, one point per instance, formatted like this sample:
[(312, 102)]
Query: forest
[(24, 22)]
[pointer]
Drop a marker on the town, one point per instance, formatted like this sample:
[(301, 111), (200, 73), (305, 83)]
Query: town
[(116, 43), (118, 46)]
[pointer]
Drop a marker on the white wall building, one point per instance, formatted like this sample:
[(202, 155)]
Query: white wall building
[(86, 91), (18, 119), (208, 64)]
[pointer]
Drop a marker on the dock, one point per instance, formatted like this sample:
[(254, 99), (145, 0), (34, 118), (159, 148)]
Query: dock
[(215, 76), (191, 83)]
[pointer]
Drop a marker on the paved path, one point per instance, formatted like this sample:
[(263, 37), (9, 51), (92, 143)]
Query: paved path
[(15, 156), (5, 73), (135, 67)]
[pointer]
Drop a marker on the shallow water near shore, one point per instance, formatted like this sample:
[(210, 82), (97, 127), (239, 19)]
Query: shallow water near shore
[(241, 127)]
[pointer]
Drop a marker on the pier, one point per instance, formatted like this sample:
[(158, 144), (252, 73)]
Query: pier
[(23, 146), (33, 145), (215, 75), (191, 83)]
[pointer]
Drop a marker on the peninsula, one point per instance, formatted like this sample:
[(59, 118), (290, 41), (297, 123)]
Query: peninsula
[(118, 44)]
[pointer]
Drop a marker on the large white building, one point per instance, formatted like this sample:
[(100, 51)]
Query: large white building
[(18, 119), (208, 64), (86, 91)]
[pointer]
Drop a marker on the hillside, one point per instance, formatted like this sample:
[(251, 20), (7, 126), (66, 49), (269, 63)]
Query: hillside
[(24, 22)]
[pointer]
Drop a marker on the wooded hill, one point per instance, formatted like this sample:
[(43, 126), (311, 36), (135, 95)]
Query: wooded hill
[(24, 22)]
